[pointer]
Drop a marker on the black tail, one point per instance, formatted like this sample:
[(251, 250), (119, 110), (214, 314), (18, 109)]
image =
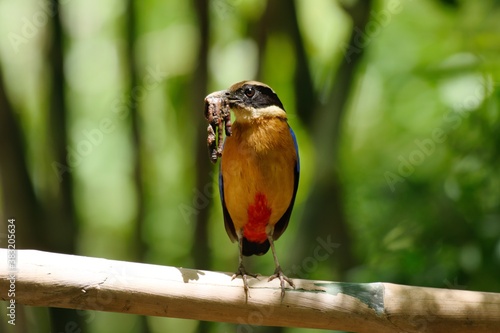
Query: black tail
[(251, 248)]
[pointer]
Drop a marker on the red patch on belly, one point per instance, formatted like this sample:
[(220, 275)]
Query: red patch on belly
[(258, 218)]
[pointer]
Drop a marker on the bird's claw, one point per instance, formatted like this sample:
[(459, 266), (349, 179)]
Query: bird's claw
[(243, 273), (278, 273)]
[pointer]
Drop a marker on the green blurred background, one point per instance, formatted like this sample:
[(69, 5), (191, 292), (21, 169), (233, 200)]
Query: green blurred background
[(395, 105)]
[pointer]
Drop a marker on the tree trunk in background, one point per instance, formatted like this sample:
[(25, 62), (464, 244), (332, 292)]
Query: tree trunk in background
[(140, 247), (61, 227), (18, 196), (199, 85), (324, 214)]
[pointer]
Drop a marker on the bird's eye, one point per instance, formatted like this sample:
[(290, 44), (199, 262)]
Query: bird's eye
[(249, 92)]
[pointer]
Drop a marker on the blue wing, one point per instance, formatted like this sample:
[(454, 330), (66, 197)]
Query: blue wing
[(281, 225), (228, 222)]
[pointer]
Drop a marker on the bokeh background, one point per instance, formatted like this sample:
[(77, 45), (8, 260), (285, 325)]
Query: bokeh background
[(395, 104)]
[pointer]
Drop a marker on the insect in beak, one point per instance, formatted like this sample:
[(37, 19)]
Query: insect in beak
[(218, 115)]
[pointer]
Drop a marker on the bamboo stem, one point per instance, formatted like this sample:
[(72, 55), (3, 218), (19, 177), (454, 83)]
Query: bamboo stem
[(77, 282)]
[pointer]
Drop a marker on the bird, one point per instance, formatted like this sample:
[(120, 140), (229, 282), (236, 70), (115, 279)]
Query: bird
[(258, 174)]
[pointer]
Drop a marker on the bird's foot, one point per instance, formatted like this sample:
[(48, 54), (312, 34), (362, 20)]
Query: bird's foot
[(278, 273), (243, 273)]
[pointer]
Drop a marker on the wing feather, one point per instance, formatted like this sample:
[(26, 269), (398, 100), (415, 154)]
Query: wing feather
[(281, 225), (228, 222)]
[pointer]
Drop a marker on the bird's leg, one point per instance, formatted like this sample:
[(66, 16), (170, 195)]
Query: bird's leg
[(241, 269), (278, 272)]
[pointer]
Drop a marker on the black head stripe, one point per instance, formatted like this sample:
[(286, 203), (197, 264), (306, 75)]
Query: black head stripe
[(265, 97)]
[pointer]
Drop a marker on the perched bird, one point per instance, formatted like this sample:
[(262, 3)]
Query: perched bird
[(259, 173)]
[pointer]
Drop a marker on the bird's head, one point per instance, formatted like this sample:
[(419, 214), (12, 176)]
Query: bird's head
[(252, 100)]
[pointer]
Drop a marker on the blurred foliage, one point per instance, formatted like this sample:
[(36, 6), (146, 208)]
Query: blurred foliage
[(418, 148)]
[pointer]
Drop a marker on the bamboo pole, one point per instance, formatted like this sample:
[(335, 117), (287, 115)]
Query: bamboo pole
[(77, 282)]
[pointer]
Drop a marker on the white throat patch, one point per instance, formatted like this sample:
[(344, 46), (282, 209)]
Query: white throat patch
[(249, 114)]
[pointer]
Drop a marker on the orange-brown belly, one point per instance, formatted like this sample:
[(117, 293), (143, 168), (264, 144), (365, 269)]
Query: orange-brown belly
[(258, 180)]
